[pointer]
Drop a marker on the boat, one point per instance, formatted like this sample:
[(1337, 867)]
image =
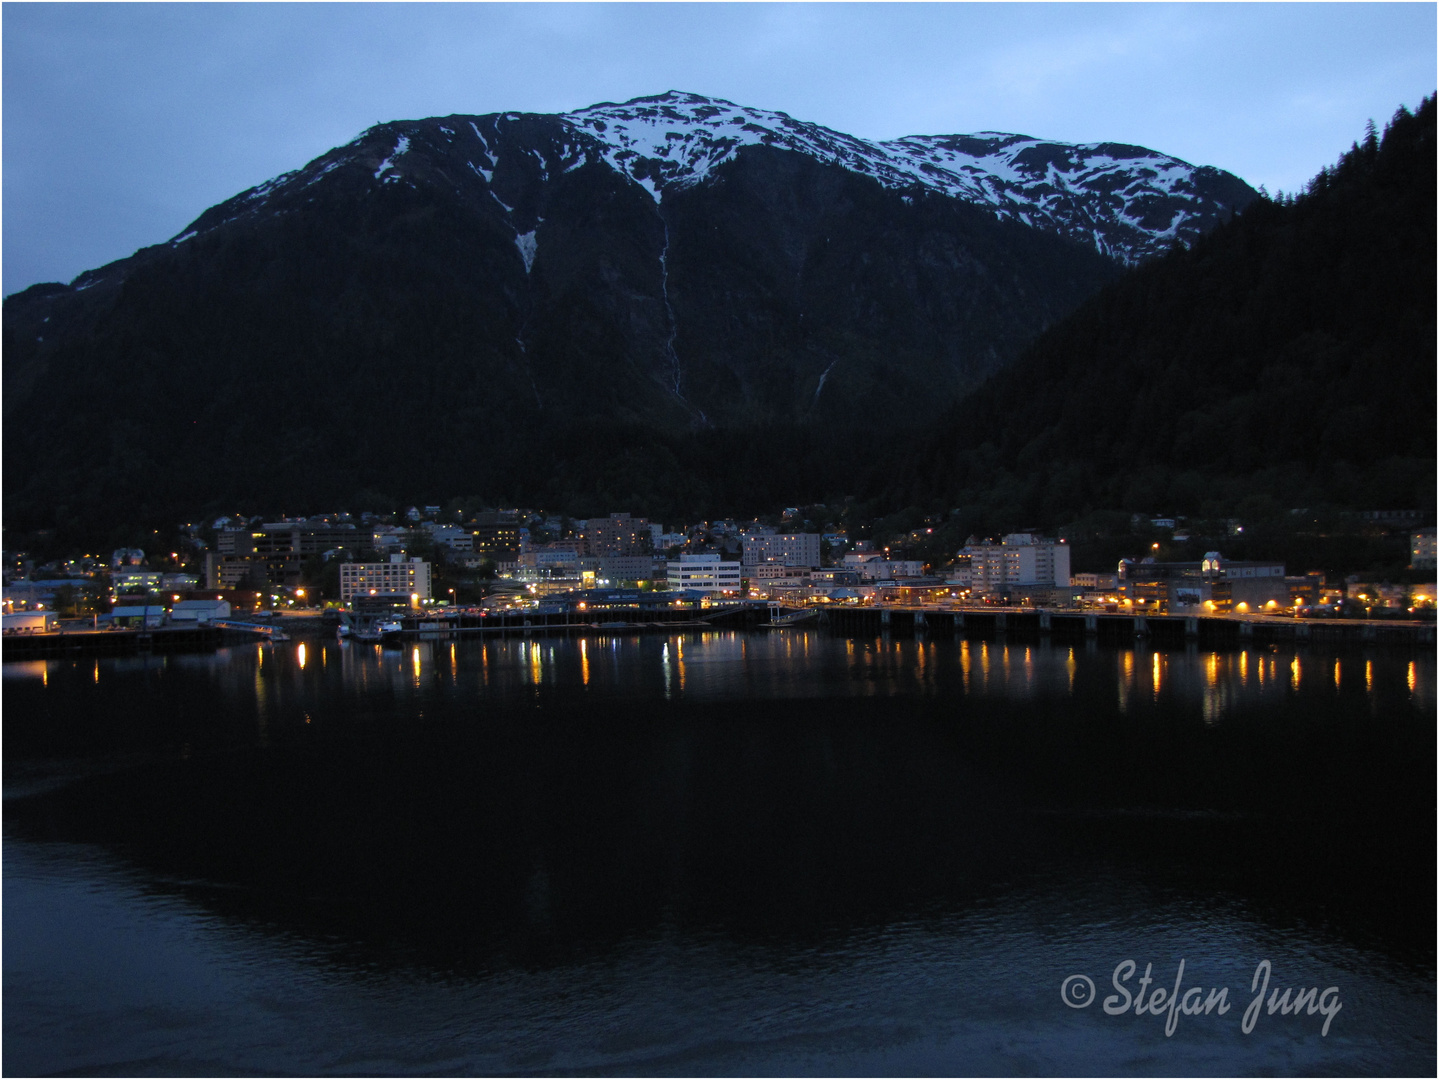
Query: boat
[(781, 622)]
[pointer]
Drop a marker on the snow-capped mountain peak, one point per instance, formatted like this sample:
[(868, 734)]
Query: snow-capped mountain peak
[(1126, 201)]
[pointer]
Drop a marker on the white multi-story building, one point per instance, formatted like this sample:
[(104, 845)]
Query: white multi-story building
[(453, 537), (1019, 559), (136, 578), (787, 549), (398, 577), (703, 573), (873, 566)]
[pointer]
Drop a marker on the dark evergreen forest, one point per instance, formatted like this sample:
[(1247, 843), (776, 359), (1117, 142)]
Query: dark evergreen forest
[(1285, 361)]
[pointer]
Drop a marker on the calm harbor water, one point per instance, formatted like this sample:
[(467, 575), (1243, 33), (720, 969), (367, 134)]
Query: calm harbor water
[(716, 853)]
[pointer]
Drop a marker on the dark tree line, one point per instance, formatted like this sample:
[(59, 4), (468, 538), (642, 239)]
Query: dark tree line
[(1286, 360)]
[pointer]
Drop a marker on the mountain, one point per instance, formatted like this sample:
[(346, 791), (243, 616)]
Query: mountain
[(1286, 360), (676, 298), (1126, 201)]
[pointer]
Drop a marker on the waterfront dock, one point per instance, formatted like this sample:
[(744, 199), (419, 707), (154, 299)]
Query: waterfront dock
[(988, 623), (106, 642), (974, 623), (1213, 630)]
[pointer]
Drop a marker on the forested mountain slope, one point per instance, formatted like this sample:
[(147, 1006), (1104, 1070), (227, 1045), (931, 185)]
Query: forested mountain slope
[(1287, 359)]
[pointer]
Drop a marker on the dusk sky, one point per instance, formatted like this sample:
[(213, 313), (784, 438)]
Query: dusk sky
[(123, 122)]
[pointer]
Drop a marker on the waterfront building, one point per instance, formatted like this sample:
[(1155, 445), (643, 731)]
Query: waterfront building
[(546, 581), (199, 611), (1305, 589), (704, 573), (1377, 594), (30, 622), (1020, 561), (138, 616), (1212, 584), (399, 577)]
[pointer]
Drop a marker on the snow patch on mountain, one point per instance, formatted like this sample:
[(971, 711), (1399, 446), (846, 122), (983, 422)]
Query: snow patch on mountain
[(1126, 201), (401, 146), (677, 140), (527, 245)]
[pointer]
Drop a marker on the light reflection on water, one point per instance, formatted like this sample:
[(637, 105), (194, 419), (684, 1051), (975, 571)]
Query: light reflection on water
[(714, 667), (115, 965)]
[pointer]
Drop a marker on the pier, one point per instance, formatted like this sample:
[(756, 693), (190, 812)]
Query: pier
[(972, 623), (88, 642), (736, 616), (1216, 630)]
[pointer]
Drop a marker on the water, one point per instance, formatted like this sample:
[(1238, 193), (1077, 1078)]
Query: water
[(714, 854)]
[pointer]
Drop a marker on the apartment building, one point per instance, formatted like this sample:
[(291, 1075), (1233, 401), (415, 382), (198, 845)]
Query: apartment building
[(618, 534), (400, 577), (496, 534), (786, 549), (1018, 560), (277, 549)]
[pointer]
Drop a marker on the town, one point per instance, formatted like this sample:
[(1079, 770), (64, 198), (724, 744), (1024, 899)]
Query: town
[(248, 571)]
